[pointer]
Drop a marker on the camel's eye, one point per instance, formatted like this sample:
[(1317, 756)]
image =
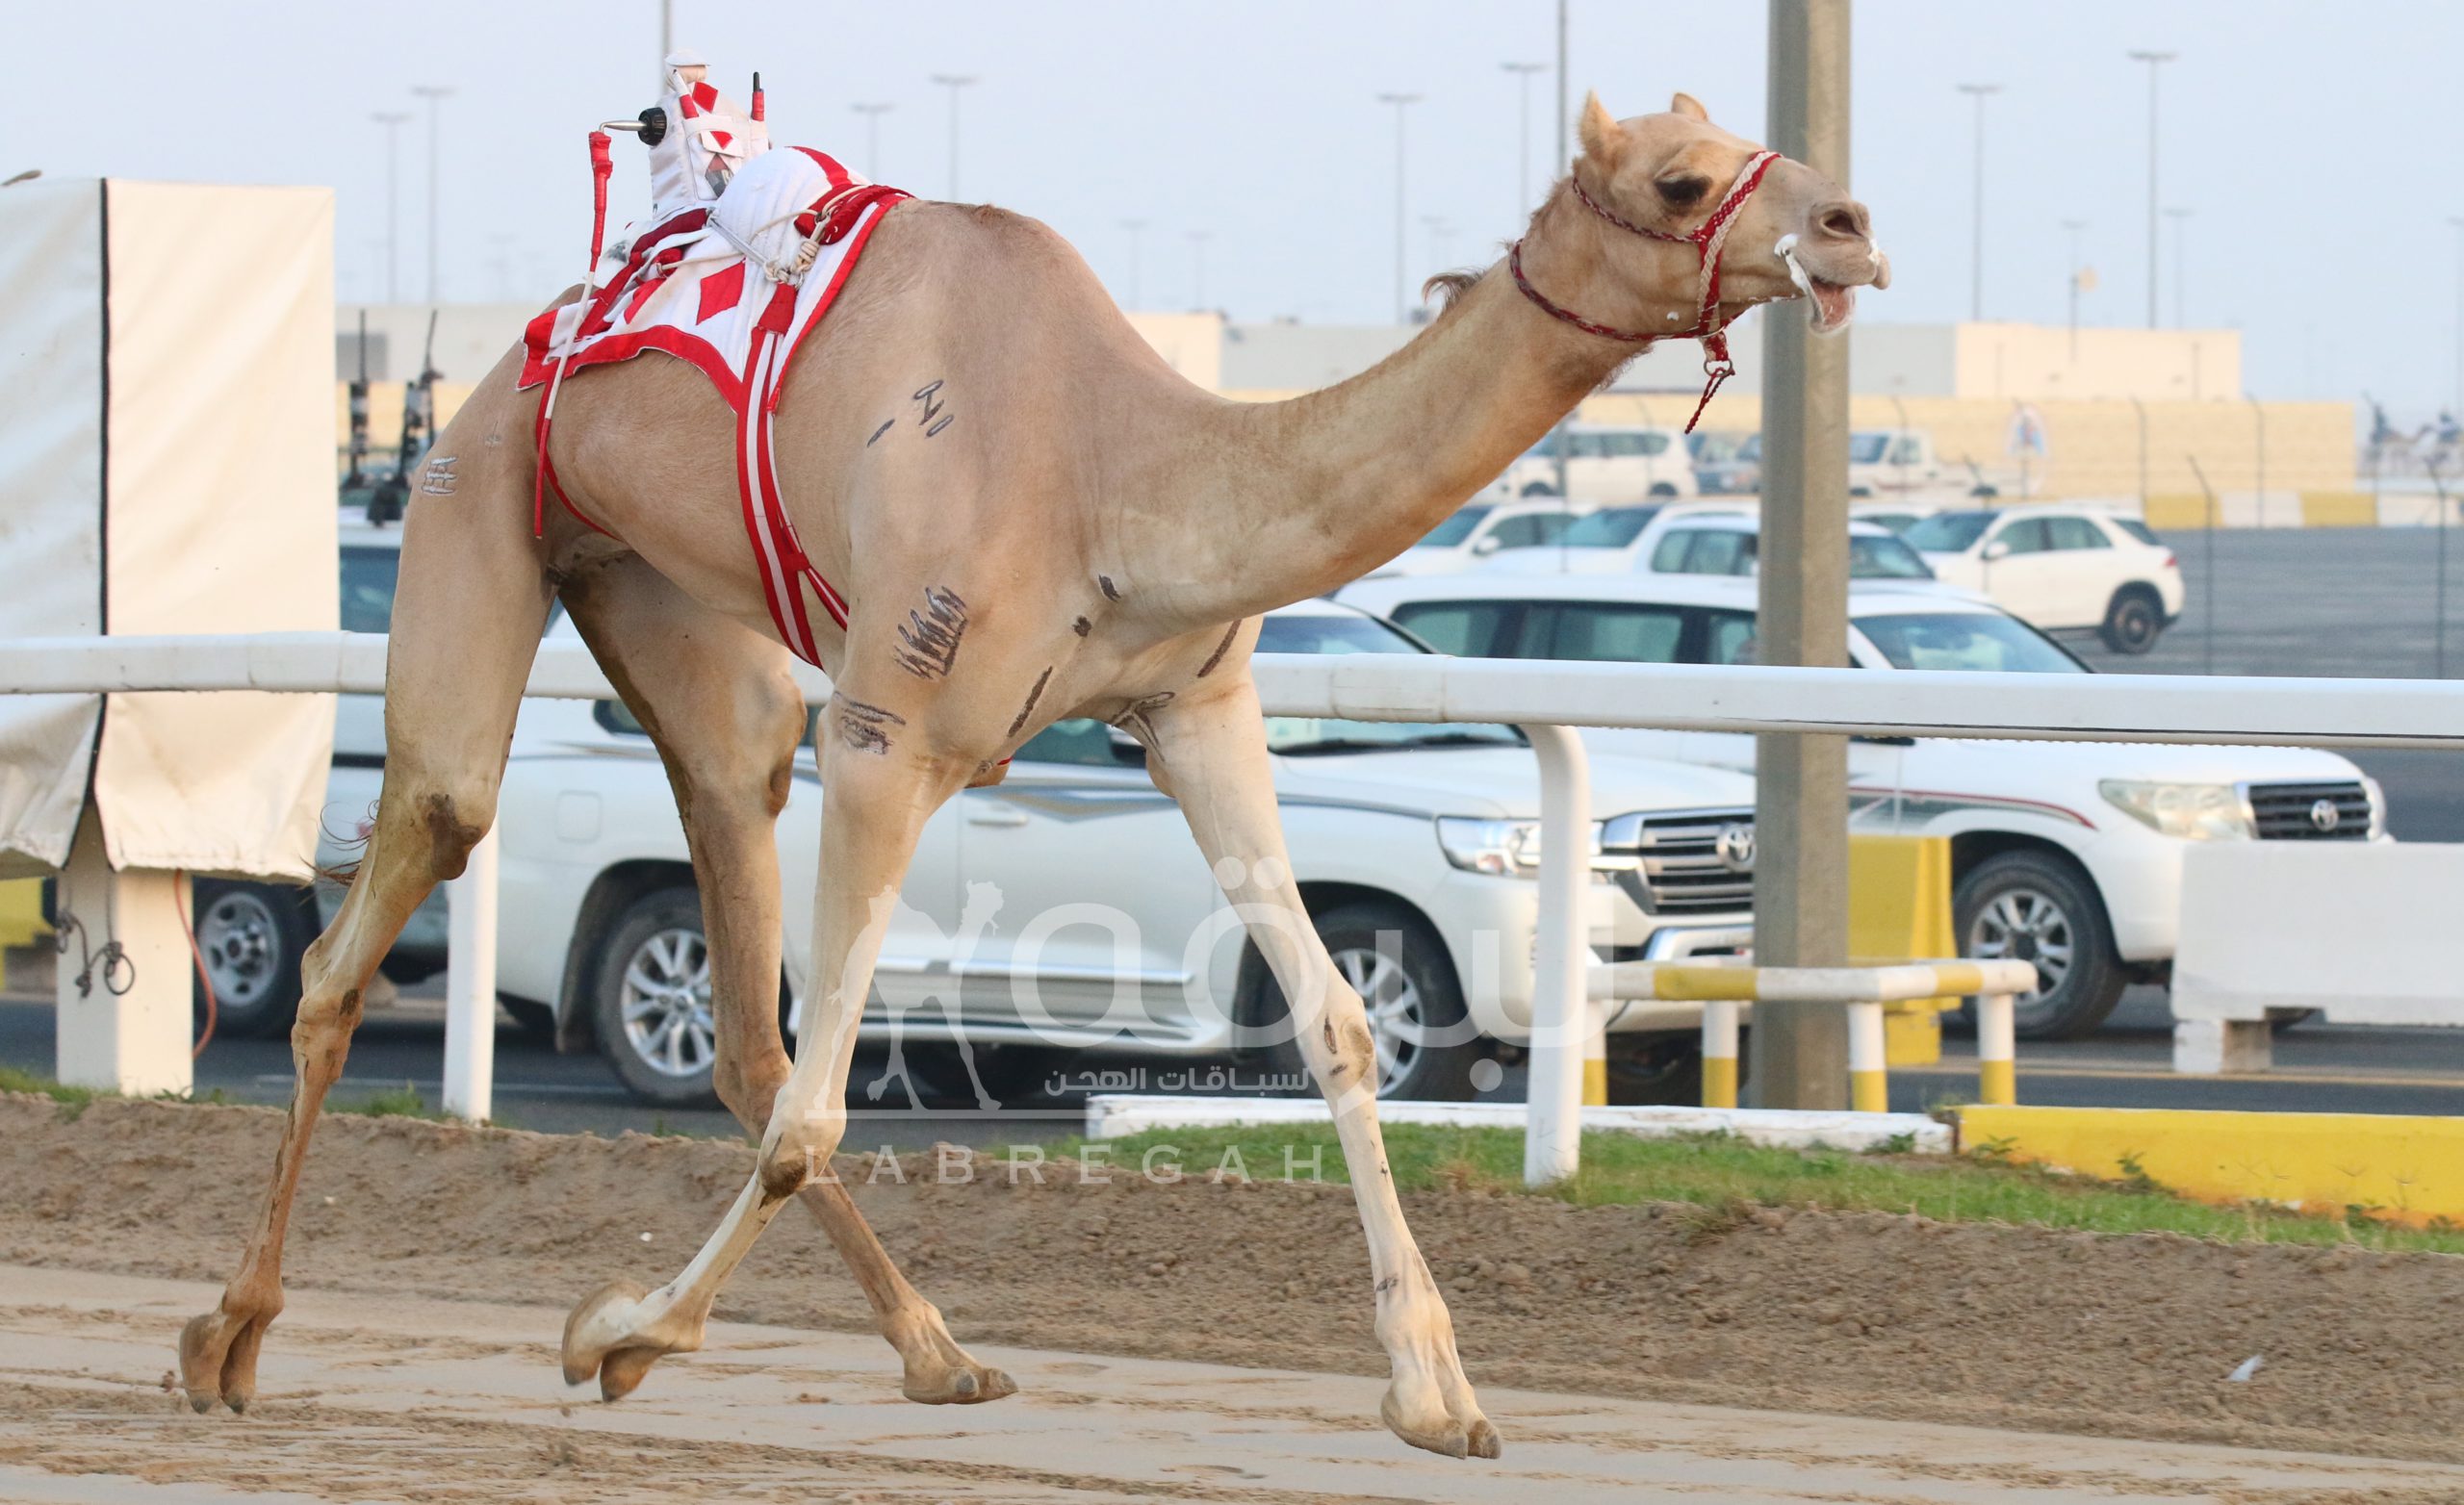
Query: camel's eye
[(1684, 191)]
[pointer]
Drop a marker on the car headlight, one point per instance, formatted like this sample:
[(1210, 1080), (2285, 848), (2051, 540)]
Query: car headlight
[(1511, 849), (2377, 806), (2193, 812)]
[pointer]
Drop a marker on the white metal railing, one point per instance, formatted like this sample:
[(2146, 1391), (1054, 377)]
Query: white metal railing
[(1543, 698)]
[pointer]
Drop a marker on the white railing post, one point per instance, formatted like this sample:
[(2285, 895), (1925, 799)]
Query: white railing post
[(1560, 1004), (471, 985), (1996, 1053)]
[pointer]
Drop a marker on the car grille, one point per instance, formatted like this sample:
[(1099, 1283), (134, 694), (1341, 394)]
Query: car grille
[(1682, 863), (2302, 812)]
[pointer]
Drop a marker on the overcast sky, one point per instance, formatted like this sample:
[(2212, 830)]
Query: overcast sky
[(2316, 144)]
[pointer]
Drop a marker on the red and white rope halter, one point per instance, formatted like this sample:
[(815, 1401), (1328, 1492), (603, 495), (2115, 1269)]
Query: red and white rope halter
[(1706, 239)]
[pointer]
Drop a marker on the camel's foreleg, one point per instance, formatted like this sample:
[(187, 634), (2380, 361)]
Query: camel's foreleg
[(718, 701), (882, 786), (1218, 764), (469, 606)]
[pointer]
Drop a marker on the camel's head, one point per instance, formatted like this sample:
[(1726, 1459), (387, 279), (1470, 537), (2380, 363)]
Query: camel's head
[(1797, 232)]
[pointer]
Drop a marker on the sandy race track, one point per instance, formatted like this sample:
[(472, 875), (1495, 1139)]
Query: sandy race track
[(430, 1267)]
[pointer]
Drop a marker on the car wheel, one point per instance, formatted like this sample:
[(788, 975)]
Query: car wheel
[(1657, 1071), (1663, 489), (650, 998), (2133, 622), (251, 937), (2035, 907), (1425, 1045), (1538, 489)]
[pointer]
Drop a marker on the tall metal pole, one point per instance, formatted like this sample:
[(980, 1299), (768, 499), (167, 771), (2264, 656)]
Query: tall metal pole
[(1523, 72), (666, 37), (2154, 60), (1402, 300), (1133, 226), (392, 122), (2458, 408), (1976, 270), (435, 94), (872, 113), (1800, 1050), (2074, 226), (1565, 159), (2181, 266), (954, 82)]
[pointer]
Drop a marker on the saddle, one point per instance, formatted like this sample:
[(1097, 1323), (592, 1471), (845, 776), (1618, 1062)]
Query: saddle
[(731, 285)]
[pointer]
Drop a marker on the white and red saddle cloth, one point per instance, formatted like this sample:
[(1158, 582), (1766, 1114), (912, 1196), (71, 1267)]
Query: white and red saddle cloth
[(733, 287)]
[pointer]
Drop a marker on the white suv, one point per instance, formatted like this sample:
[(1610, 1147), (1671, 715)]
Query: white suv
[(1472, 533), (2060, 568), (1413, 844), (1604, 463), (2067, 855)]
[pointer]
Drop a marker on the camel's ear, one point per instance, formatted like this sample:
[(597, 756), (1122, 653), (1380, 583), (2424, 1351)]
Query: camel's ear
[(1690, 108), (1601, 139)]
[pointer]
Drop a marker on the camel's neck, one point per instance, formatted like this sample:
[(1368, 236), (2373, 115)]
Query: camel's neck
[(1328, 486)]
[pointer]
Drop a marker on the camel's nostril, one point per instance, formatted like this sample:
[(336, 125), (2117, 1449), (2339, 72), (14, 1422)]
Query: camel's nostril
[(1846, 223)]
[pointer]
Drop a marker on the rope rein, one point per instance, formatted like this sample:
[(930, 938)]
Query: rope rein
[(1709, 239)]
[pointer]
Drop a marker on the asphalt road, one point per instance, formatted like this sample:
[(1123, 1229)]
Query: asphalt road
[(2339, 603)]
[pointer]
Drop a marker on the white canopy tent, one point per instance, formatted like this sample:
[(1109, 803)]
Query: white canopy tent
[(166, 466)]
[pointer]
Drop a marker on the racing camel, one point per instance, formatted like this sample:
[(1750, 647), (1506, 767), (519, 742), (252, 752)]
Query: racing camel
[(1090, 536)]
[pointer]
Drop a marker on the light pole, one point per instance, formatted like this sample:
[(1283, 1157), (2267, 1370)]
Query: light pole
[(1401, 103), (872, 113), (954, 82), (1523, 72), (1976, 272), (1197, 240), (2074, 226), (393, 121), (2457, 220), (435, 94), (1133, 226), (2181, 263), (2155, 61)]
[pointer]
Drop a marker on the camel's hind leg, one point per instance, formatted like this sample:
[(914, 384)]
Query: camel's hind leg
[(882, 787), (1216, 762), (467, 617), (717, 700)]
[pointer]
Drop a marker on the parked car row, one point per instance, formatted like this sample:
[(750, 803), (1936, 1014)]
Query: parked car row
[(1415, 845)]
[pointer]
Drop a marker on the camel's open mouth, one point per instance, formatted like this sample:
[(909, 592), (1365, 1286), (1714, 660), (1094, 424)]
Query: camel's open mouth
[(1828, 305), (1832, 305)]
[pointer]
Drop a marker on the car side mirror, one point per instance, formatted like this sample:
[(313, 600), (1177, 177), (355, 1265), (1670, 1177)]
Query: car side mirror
[(1999, 548), (1487, 545)]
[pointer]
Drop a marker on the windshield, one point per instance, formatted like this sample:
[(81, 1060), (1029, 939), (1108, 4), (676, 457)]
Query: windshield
[(367, 588), (1752, 449), (1304, 735), (1872, 558), (1950, 532), (1455, 530), (1611, 527), (2135, 528), (1967, 639), (1867, 448)]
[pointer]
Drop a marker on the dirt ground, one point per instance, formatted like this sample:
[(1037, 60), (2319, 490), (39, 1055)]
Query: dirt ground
[(1860, 1315)]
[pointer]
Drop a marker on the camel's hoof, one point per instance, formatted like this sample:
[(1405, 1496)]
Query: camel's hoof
[(219, 1358), (597, 1342), (962, 1384), (1424, 1421)]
